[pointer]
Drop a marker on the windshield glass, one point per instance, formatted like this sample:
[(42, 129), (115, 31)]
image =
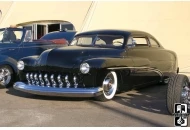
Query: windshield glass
[(10, 35), (98, 40)]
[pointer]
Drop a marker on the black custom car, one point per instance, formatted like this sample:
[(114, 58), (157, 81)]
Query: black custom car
[(16, 43), (97, 64)]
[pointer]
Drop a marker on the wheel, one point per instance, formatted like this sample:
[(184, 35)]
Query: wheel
[(6, 76), (178, 91), (109, 86)]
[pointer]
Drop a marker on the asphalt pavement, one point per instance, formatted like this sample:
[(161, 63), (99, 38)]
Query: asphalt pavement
[(142, 107)]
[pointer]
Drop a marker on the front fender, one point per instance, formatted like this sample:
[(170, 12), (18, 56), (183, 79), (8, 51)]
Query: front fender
[(5, 60), (30, 60)]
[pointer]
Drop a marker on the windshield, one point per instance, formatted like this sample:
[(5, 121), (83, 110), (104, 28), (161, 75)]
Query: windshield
[(10, 35), (98, 40)]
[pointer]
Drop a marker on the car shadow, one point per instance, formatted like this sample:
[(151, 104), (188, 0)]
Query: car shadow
[(151, 99)]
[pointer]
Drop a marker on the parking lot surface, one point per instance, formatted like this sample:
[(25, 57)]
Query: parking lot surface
[(143, 107)]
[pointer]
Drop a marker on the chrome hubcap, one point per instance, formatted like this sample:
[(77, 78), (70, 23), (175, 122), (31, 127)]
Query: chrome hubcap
[(108, 84), (185, 94), (5, 76)]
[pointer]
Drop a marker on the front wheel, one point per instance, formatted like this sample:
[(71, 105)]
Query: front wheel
[(6, 76), (109, 87)]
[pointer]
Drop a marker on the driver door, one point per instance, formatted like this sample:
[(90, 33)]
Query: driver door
[(10, 50)]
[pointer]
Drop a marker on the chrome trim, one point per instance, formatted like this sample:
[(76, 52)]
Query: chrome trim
[(59, 81), (53, 81), (75, 81), (128, 67), (36, 79), (46, 80), (65, 92), (32, 78), (148, 68), (41, 80), (28, 78), (67, 81)]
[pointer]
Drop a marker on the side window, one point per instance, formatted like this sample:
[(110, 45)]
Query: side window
[(100, 42), (140, 41), (85, 41), (28, 36), (153, 43), (130, 41), (118, 42)]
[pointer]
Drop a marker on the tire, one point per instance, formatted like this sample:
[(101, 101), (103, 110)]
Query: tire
[(176, 87), (109, 91), (6, 76)]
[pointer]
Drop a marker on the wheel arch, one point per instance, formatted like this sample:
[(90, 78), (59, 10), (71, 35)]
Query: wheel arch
[(101, 73), (12, 63)]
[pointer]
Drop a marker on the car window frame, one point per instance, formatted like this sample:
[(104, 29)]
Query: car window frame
[(138, 36), (17, 29), (155, 41)]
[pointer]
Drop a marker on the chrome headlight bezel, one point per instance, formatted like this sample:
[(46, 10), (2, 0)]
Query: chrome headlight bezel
[(20, 65), (84, 68)]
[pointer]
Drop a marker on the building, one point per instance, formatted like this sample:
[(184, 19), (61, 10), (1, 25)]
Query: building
[(169, 22)]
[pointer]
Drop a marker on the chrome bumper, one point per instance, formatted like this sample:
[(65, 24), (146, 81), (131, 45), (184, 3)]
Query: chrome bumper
[(65, 92)]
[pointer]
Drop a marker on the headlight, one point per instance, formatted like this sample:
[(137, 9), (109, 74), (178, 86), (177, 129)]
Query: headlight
[(20, 65), (84, 68)]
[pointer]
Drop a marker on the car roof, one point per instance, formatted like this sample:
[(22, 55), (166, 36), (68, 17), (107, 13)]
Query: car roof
[(68, 35), (114, 31), (62, 31), (14, 29)]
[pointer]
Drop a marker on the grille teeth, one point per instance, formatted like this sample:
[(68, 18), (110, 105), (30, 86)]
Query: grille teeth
[(41, 80), (47, 80), (75, 81), (32, 79), (67, 81), (28, 78), (52, 80), (36, 79), (59, 81)]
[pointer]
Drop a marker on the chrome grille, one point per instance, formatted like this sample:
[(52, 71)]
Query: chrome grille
[(41, 80), (47, 80), (54, 84), (59, 81), (67, 81), (36, 79), (52, 80)]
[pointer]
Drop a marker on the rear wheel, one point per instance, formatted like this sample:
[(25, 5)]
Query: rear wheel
[(109, 86), (178, 91), (6, 76)]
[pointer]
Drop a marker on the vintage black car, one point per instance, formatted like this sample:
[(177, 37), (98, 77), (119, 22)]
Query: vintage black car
[(16, 43), (98, 64)]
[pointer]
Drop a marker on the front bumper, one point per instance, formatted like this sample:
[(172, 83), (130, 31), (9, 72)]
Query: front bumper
[(65, 92)]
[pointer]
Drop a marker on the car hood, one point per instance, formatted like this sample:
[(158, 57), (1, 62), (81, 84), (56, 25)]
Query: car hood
[(72, 56)]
